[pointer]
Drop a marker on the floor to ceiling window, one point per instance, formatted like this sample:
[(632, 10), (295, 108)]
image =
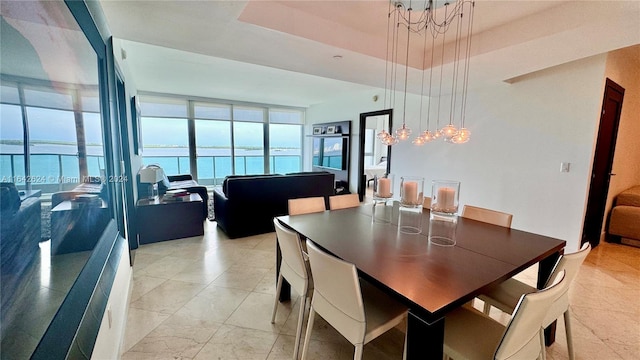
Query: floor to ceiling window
[(230, 139), (213, 141)]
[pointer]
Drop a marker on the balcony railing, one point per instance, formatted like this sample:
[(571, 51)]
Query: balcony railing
[(49, 172), (213, 169)]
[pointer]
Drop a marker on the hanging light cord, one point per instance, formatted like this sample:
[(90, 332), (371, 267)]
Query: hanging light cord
[(406, 73), (466, 67)]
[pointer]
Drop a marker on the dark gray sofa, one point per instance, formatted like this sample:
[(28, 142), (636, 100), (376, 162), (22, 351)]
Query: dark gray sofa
[(19, 238), (246, 205)]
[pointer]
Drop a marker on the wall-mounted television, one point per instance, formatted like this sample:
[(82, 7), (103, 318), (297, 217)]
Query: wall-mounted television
[(330, 152)]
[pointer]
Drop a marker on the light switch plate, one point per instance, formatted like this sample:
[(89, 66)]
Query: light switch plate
[(565, 166)]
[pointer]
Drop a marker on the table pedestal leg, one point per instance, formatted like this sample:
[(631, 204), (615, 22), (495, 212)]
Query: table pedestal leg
[(424, 340), (544, 270)]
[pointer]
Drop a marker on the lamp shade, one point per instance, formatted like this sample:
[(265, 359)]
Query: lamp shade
[(151, 175)]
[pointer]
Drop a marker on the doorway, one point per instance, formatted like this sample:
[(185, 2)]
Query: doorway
[(603, 162), (373, 157)]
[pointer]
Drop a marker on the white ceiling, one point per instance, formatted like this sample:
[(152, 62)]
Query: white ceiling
[(282, 52)]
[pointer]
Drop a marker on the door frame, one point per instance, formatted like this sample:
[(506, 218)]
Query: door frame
[(599, 197)]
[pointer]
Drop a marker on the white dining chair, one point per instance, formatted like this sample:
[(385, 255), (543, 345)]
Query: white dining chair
[(505, 296), (295, 269), (356, 309), (487, 215), (470, 334), (344, 201), (306, 205)]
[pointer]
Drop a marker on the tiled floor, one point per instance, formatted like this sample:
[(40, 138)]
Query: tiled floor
[(210, 298)]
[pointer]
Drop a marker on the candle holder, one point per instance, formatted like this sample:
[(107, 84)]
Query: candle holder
[(411, 191), (383, 187), (411, 198), (442, 229), (382, 211), (444, 197)]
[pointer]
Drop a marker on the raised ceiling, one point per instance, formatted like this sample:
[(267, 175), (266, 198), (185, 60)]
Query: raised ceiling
[(283, 52)]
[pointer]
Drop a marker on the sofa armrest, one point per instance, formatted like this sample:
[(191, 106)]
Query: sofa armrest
[(625, 222), (181, 177), (222, 210)]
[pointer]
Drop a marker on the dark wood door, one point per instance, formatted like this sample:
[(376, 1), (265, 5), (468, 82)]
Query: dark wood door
[(602, 162)]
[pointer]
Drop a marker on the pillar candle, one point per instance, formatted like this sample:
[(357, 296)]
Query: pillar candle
[(446, 198), (384, 187), (409, 192)]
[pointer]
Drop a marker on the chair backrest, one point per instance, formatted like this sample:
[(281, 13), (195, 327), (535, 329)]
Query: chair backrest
[(344, 201), (426, 203), (570, 265), (521, 339), (292, 261), (487, 215), (337, 283), (306, 205)]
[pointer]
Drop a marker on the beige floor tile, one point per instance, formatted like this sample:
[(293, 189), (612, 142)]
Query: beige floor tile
[(139, 324), (202, 271), (255, 313), (213, 304), (268, 283), (236, 343), (166, 267), (610, 325), (168, 297), (241, 277), (142, 284), (258, 258), (178, 337)]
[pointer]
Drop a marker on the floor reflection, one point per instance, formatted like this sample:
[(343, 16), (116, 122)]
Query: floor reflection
[(49, 279)]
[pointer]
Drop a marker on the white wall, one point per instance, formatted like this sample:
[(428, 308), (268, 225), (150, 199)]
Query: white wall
[(111, 333), (521, 132)]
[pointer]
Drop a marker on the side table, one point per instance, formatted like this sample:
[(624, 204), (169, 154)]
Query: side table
[(77, 228), (168, 220)]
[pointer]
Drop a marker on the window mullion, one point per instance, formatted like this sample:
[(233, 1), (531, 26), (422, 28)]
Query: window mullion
[(25, 136), (191, 128), (265, 140)]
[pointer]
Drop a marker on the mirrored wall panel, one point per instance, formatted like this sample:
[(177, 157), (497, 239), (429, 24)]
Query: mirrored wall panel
[(54, 198)]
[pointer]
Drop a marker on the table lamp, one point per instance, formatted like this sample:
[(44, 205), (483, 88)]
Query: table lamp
[(152, 175)]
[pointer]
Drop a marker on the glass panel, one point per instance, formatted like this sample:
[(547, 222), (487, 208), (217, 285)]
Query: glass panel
[(249, 148), (48, 98), (213, 140), (285, 148), (165, 141), (9, 94), (48, 238), (286, 116), (90, 101), (11, 143), (94, 143), (163, 107), (241, 113), (212, 111)]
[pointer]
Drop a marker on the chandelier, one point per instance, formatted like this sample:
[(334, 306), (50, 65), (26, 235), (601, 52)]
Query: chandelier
[(430, 21)]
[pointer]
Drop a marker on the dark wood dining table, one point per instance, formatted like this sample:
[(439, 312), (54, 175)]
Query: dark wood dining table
[(431, 280)]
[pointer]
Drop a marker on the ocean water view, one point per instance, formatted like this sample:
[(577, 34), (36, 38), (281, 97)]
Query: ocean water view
[(56, 163)]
